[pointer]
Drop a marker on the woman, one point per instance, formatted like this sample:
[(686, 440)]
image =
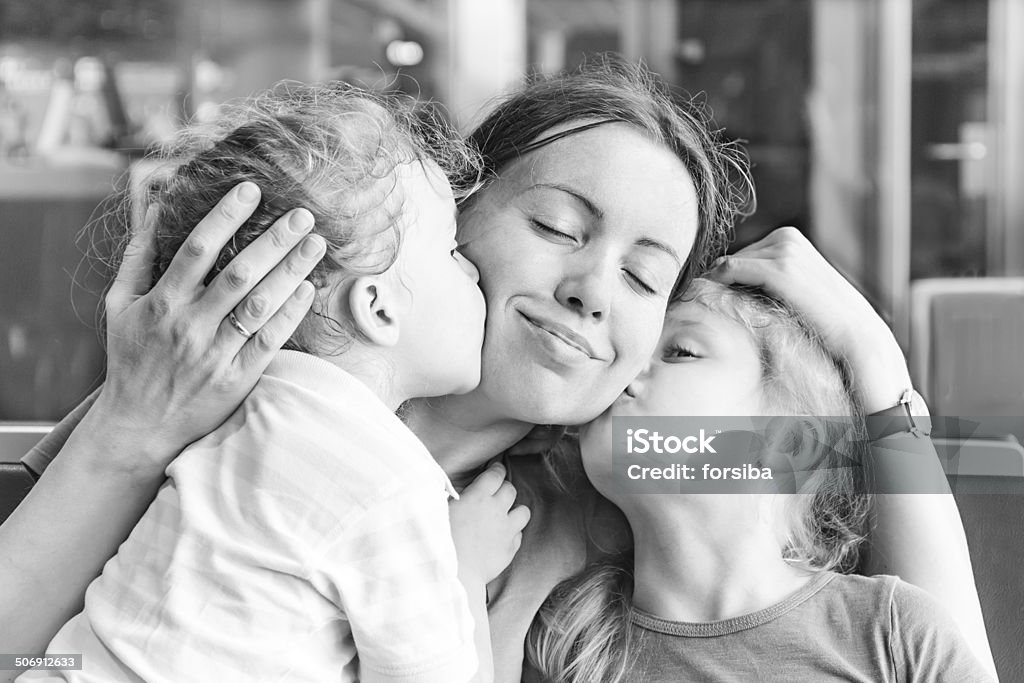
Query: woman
[(603, 200)]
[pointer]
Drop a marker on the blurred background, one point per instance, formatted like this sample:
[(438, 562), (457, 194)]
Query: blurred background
[(889, 131)]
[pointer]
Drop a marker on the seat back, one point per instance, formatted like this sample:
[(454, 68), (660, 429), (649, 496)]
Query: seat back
[(967, 345), (15, 483), (18, 438), (15, 440)]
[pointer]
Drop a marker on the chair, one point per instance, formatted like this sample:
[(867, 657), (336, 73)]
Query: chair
[(967, 354), (15, 481), (967, 345)]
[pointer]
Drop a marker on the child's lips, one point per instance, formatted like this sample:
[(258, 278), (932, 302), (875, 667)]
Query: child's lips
[(624, 404)]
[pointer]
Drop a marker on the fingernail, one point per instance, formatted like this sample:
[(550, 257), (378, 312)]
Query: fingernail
[(248, 193), (311, 246), (305, 290), (300, 221)]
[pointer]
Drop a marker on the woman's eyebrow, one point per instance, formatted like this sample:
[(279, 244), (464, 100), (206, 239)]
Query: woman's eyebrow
[(583, 199), (659, 245)]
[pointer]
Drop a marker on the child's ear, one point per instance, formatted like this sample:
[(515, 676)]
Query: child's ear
[(375, 307), (795, 446)]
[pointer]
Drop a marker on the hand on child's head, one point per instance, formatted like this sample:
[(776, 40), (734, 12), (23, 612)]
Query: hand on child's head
[(175, 367), (486, 529)]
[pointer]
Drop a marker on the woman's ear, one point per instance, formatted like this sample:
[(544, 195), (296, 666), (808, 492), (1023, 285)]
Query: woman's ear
[(376, 309)]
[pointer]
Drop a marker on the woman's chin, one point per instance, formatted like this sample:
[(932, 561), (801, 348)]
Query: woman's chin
[(543, 402)]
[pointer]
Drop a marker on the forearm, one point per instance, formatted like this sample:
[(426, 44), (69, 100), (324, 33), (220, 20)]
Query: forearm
[(476, 591), (68, 526), (920, 537)]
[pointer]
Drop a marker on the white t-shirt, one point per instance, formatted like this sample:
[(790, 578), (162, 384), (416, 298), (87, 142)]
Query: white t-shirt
[(306, 539)]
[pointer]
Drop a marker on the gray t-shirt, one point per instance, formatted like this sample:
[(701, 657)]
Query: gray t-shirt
[(836, 628)]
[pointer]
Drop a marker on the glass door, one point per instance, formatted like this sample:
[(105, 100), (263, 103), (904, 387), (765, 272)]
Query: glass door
[(965, 138), (950, 139)]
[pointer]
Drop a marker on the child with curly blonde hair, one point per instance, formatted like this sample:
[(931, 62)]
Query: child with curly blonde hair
[(308, 537)]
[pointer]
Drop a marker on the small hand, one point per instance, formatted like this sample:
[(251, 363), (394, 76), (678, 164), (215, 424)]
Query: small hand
[(786, 265), (486, 529), (176, 367)]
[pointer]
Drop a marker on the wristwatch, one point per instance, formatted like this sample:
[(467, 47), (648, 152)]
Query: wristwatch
[(909, 415)]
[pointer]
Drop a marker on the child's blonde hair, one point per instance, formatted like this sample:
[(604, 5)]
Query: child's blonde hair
[(332, 149), (581, 634)]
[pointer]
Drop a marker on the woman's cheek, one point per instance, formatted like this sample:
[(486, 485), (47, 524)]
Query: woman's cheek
[(640, 345)]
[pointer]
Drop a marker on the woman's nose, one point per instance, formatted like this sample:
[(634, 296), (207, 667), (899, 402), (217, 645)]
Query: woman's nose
[(587, 290)]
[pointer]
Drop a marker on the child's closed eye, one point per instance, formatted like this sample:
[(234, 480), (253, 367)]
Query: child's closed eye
[(680, 352)]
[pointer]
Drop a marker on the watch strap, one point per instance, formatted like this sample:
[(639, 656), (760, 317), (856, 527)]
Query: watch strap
[(899, 419)]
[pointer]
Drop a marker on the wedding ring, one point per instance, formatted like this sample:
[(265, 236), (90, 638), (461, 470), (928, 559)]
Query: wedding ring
[(233, 319)]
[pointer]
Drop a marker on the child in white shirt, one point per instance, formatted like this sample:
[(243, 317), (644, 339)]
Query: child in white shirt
[(308, 538)]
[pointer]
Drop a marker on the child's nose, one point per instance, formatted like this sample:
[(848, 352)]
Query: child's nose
[(469, 267), (635, 388)]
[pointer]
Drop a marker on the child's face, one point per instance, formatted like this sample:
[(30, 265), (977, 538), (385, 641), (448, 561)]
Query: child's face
[(705, 364), (444, 327)]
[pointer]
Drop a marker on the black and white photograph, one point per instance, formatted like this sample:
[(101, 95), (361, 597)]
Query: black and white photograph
[(512, 341)]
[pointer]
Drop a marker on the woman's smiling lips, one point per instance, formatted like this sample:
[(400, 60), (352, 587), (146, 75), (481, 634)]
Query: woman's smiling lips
[(564, 336)]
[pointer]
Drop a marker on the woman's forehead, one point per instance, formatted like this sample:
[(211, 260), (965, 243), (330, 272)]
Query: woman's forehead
[(619, 170), (584, 138)]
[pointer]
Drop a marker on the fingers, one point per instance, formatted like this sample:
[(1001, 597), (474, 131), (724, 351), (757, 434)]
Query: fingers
[(489, 481), (199, 252), (742, 270), (268, 296), (519, 517), (134, 276), (505, 495), (272, 252), (760, 263), (258, 351)]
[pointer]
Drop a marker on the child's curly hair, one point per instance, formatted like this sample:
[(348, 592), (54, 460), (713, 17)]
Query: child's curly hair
[(332, 149)]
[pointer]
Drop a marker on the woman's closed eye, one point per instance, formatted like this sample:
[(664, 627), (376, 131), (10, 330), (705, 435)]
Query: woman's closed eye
[(551, 232), (639, 282)]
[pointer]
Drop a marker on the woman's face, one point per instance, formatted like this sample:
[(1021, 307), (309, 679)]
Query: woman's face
[(579, 244)]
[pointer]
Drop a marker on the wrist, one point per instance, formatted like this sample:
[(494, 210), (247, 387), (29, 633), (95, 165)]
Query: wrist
[(880, 372), (111, 440)]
